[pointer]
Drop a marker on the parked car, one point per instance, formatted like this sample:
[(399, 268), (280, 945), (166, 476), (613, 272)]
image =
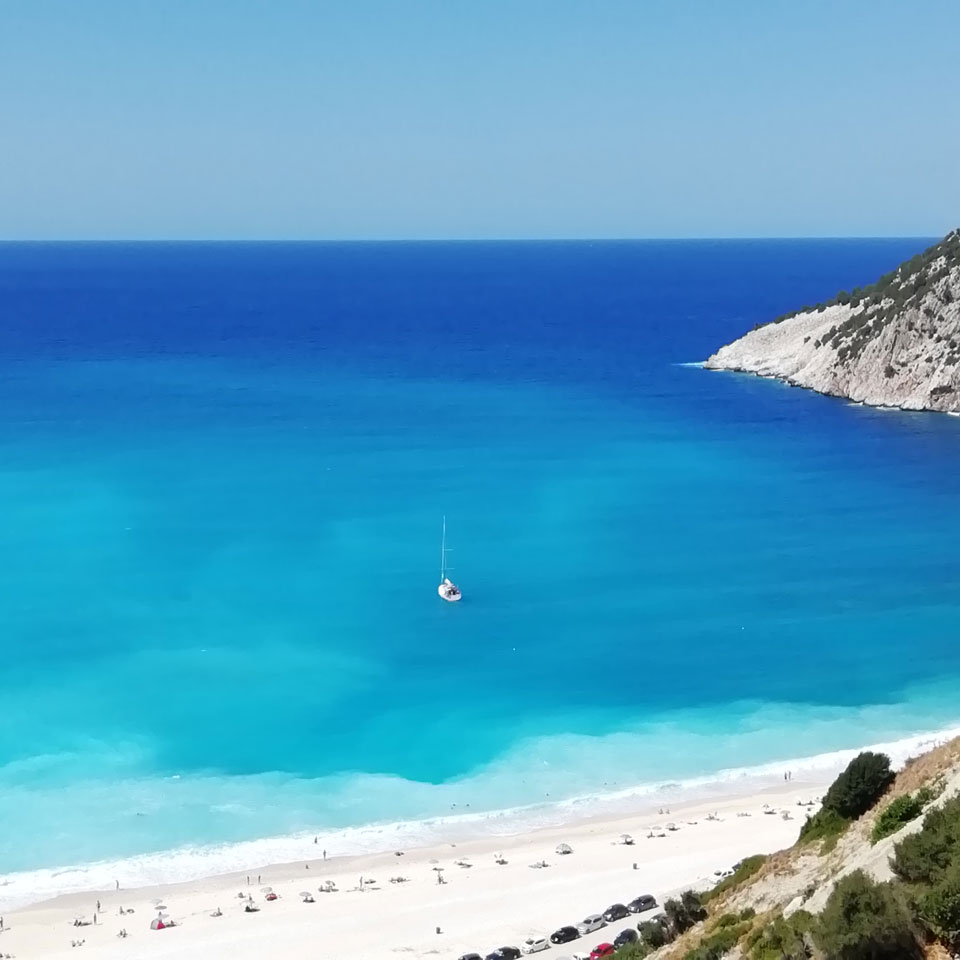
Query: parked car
[(504, 953), (615, 912), (626, 936), (534, 945), (591, 923), (471, 956), (644, 902), (602, 950), (564, 935)]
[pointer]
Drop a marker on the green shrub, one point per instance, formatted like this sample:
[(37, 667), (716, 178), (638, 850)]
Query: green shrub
[(685, 912), (746, 869), (778, 940), (866, 920), (719, 943), (924, 857), (653, 934), (859, 787), (826, 825), (939, 907), (900, 811)]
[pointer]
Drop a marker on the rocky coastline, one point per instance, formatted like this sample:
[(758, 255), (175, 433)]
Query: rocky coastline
[(894, 343)]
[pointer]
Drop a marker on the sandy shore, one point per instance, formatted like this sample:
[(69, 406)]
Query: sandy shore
[(477, 908)]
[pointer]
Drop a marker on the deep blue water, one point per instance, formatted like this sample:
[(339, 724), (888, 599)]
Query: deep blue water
[(224, 467)]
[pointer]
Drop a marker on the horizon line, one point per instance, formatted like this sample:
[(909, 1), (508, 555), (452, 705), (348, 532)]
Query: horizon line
[(451, 240)]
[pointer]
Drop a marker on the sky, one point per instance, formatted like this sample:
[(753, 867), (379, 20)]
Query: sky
[(478, 119)]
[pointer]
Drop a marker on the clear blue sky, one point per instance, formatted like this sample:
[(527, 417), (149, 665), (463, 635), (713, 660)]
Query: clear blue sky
[(478, 118)]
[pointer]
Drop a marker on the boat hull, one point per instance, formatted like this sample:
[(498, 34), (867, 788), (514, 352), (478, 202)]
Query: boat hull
[(448, 592)]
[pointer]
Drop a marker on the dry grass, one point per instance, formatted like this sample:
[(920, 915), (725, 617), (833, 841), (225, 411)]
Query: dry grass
[(917, 772)]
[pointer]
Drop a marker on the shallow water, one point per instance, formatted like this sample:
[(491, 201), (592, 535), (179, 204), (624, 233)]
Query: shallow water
[(224, 468)]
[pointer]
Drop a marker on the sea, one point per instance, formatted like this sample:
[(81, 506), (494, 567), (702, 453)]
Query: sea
[(224, 469)]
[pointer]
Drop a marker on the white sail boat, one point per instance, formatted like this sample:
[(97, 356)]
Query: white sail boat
[(447, 589)]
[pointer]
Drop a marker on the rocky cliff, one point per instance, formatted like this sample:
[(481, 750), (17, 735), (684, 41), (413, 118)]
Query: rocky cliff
[(894, 343)]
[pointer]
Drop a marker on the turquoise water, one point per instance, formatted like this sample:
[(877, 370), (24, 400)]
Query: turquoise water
[(224, 469)]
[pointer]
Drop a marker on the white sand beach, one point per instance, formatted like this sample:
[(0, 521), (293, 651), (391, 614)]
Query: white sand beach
[(478, 907)]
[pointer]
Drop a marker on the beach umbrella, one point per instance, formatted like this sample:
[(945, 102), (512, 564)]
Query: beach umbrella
[(266, 889), (626, 838), (161, 907), (304, 893), (157, 924), (438, 869), (563, 848)]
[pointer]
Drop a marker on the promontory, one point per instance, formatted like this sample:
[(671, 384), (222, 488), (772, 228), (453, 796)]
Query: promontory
[(895, 343)]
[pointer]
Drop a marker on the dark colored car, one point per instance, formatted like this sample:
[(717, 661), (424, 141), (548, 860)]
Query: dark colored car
[(615, 912), (646, 902), (471, 956), (626, 936), (564, 935), (602, 950), (504, 953)]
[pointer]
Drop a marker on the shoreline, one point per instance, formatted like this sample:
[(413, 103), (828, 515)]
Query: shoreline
[(479, 907), (25, 889)]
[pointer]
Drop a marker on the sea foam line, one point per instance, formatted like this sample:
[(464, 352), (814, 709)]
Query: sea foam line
[(193, 862)]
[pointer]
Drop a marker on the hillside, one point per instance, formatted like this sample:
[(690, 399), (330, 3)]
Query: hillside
[(883, 882), (893, 343)]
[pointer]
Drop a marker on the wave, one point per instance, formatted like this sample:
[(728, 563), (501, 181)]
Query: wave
[(198, 861)]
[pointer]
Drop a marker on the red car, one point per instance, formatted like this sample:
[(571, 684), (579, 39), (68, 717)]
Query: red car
[(602, 950)]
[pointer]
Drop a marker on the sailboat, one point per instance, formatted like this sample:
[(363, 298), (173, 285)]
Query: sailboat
[(447, 589)]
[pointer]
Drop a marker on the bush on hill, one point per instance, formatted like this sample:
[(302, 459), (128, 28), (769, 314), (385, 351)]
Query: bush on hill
[(939, 908), (826, 825), (859, 787), (719, 943), (925, 857), (685, 912), (866, 920), (653, 934), (900, 811), (778, 940)]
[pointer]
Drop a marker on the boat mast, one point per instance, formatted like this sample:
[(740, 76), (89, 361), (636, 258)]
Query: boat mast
[(443, 551)]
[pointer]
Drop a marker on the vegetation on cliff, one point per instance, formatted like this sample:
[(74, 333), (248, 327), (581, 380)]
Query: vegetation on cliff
[(864, 918)]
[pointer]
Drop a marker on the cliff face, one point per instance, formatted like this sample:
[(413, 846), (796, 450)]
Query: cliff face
[(893, 343)]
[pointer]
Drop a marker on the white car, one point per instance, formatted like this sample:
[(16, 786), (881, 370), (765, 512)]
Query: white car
[(591, 923), (534, 945)]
